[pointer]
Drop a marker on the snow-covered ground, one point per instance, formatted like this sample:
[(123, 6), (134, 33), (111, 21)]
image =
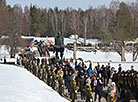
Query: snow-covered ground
[(98, 56), (19, 85), (66, 40), (102, 57)]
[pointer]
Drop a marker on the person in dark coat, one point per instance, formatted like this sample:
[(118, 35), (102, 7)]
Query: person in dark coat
[(81, 84), (120, 68), (4, 59), (136, 86), (98, 88), (125, 95), (105, 75), (132, 84), (68, 78), (81, 72), (114, 78), (108, 72), (38, 61)]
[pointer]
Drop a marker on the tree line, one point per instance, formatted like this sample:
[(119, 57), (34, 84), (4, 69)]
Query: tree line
[(100, 22), (118, 22)]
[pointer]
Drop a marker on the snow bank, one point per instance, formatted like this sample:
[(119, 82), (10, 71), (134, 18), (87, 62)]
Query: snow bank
[(19, 85)]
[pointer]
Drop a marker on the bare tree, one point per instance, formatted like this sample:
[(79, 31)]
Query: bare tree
[(85, 19), (63, 22), (74, 21), (28, 20), (56, 19), (119, 47), (52, 19), (12, 30)]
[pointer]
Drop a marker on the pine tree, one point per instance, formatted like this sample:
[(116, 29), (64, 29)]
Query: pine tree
[(123, 29), (36, 26), (44, 22), (124, 25)]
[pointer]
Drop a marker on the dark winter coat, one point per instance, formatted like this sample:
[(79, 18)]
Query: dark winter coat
[(105, 73), (81, 84), (68, 79)]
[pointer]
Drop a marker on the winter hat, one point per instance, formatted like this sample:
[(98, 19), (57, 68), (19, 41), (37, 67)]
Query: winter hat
[(88, 80), (113, 83)]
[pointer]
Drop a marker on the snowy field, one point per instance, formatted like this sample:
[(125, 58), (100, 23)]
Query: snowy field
[(66, 40), (19, 85), (101, 57)]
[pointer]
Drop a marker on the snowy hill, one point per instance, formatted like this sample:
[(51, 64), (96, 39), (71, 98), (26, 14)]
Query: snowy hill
[(19, 85)]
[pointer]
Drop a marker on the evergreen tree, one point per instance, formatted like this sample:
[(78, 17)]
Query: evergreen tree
[(124, 25), (44, 22), (36, 26)]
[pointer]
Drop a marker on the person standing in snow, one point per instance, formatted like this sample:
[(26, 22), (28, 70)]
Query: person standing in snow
[(73, 88), (112, 95), (49, 76), (35, 68), (136, 86), (105, 76), (89, 71), (4, 59), (39, 71), (60, 74), (120, 68), (43, 73), (81, 85), (88, 90), (98, 83), (108, 72), (54, 78)]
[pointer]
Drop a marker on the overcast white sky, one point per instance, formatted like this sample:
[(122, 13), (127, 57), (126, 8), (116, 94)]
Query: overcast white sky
[(62, 4)]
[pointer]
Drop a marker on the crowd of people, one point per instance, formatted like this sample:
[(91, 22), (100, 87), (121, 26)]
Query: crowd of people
[(60, 75)]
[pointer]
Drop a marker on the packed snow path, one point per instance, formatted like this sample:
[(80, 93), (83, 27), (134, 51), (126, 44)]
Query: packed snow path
[(19, 85)]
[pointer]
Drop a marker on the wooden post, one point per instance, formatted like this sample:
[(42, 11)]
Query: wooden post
[(46, 39), (123, 53), (74, 55)]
